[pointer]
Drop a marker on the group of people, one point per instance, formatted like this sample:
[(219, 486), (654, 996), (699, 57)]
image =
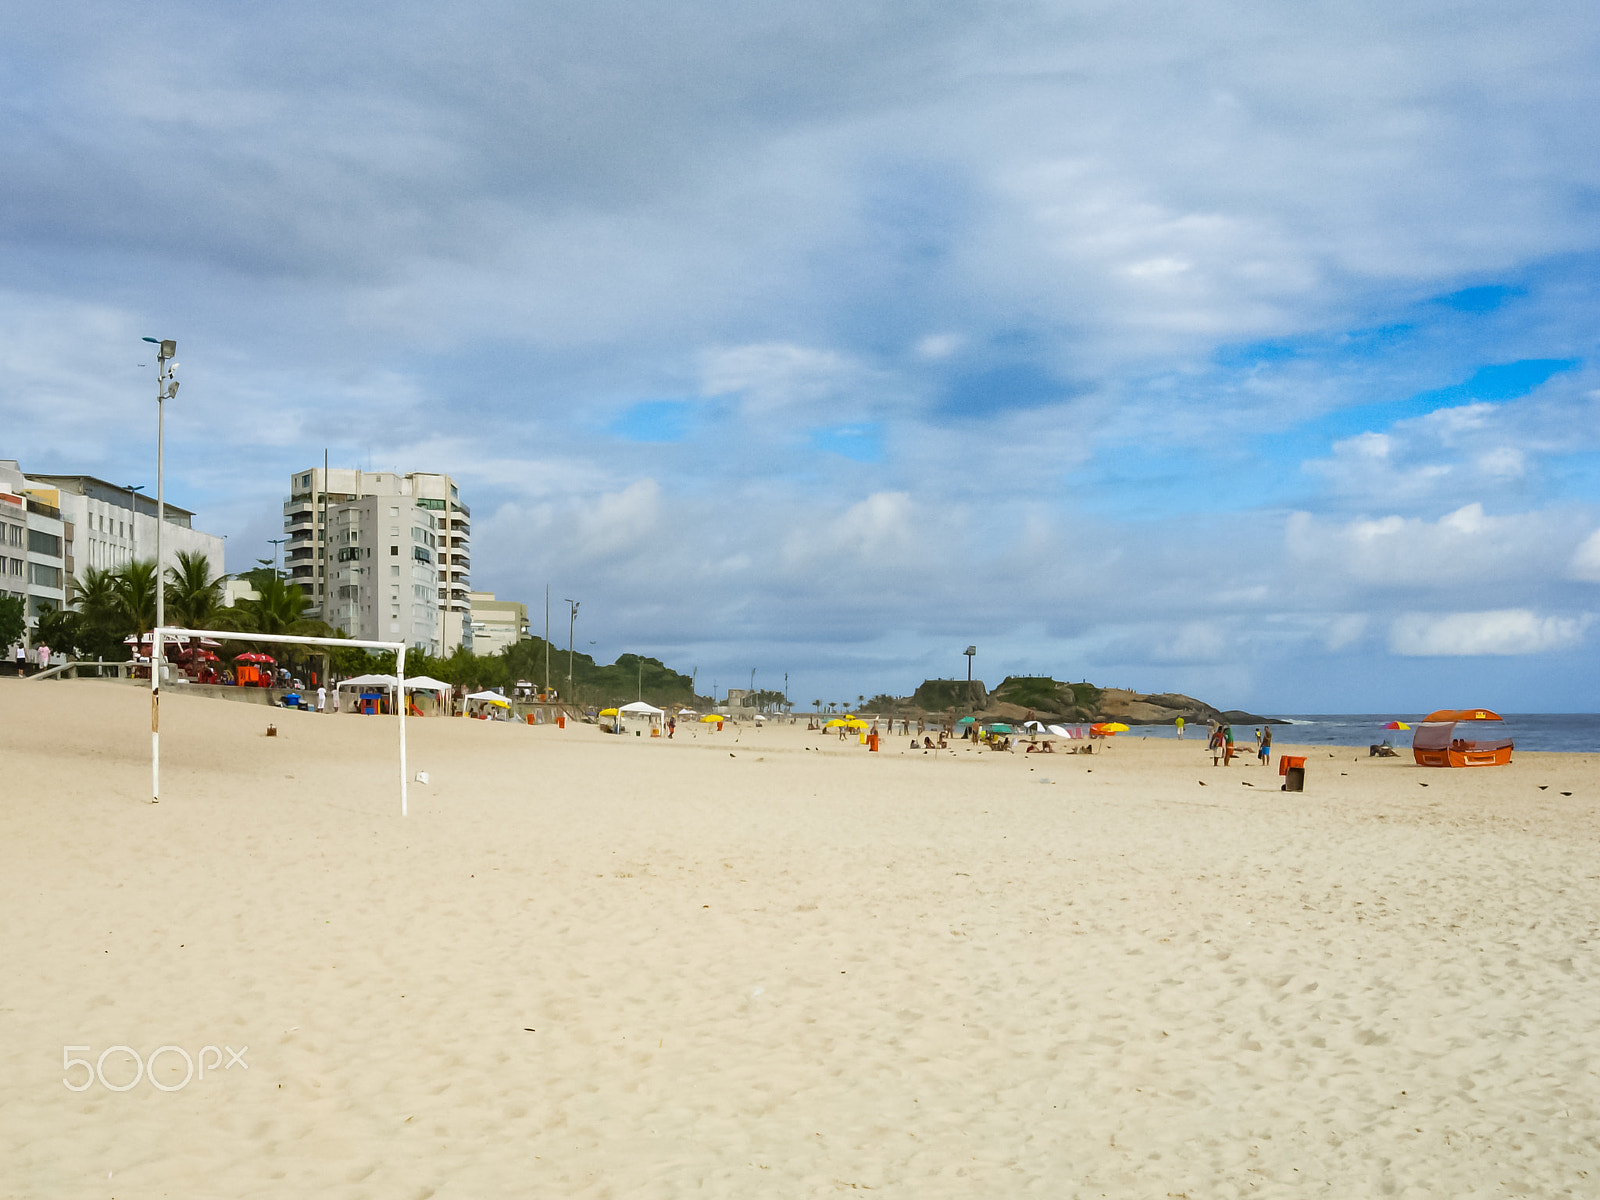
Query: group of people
[(41, 655), (1220, 744)]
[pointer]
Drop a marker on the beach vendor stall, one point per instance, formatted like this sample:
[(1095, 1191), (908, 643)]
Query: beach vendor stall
[(639, 717), (249, 669), (368, 694), (428, 697), (608, 721), (488, 706), (1464, 737)]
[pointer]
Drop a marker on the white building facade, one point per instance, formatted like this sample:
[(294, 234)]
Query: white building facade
[(382, 555), (113, 526), (496, 624)]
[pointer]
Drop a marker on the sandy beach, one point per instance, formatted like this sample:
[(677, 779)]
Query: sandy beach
[(768, 964)]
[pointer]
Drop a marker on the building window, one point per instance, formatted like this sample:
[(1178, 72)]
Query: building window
[(40, 542), (45, 576), (394, 551), (14, 535), (395, 571)]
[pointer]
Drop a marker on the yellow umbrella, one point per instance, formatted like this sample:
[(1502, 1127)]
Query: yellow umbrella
[(856, 723), (833, 724), (1115, 727), (608, 712), (711, 717)]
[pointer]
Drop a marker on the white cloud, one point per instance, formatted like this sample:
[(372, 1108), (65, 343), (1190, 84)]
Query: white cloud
[(1509, 631), (1586, 560), (775, 375), (1464, 545)]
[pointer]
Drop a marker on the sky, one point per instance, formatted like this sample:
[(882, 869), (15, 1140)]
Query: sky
[(1246, 350)]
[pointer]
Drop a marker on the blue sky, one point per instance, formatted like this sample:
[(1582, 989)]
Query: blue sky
[(1245, 350)]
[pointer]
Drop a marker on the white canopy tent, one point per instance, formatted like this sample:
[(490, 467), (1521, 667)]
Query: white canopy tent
[(372, 683), (640, 713)]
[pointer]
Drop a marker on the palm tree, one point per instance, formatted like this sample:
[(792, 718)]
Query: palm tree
[(135, 586), (193, 595), (102, 622)]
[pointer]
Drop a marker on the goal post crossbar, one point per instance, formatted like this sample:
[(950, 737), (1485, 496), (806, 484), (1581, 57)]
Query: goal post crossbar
[(167, 632)]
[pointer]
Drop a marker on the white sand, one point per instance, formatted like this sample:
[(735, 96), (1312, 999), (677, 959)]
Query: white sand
[(789, 973)]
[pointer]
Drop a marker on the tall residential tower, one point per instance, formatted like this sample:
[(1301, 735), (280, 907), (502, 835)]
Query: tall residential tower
[(381, 555)]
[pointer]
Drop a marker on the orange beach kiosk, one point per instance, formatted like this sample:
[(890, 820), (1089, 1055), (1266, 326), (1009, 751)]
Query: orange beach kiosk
[(1461, 737)]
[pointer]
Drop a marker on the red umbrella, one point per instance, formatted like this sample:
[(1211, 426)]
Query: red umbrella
[(253, 657)]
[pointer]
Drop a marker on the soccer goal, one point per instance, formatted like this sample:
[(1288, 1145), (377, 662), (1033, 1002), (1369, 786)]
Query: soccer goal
[(170, 633)]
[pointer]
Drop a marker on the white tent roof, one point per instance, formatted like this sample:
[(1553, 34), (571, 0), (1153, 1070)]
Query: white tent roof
[(387, 681), (425, 683), (641, 708), (488, 696)]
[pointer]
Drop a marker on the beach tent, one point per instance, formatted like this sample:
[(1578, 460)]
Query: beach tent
[(641, 714), (478, 703), (1454, 737), (371, 683), (1034, 726), (435, 687), (688, 712)]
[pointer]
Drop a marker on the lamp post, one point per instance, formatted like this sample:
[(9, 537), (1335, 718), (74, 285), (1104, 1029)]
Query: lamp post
[(276, 542), (753, 703), (166, 389), (133, 511), (969, 652), (572, 621)]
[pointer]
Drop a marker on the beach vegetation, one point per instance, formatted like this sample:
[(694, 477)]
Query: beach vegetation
[(194, 595), (13, 620), (58, 629), (135, 586)]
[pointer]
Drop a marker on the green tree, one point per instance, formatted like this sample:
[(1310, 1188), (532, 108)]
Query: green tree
[(13, 620), (136, 594), (102, 620), (193, 596), (57, 629)]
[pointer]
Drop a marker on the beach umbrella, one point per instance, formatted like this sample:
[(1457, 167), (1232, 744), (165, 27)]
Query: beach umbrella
[(254, 657), (1000, 727), (608, 712), (711, 717), (835, 723), (1034, 726), (1397, 725), (966, 720), (856, 723), (1115, 727)]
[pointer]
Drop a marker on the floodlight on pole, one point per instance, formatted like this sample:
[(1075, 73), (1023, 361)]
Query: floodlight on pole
[(276, 542), (166, 389), (969, 652)]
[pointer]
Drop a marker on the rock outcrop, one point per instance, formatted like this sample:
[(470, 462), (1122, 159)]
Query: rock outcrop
[(1050, 700)]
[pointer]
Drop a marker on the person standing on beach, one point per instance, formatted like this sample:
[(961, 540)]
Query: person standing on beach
[(1179, 724), (322, 697), (1264, 751), (1227, 743)]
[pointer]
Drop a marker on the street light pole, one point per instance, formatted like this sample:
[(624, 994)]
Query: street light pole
[(753, 703), (166, 389), (276, 542), (572, 621), (133, 508)]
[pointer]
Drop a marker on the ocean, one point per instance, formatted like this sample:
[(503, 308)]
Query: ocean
[(1573, 732)]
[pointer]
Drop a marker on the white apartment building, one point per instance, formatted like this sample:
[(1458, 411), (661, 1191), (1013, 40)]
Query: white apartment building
[(56, 525), (382, 555), (496, 624), (114, 525)]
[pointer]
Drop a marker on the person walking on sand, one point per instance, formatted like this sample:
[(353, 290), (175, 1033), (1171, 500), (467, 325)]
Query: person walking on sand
[(322, 697), (1179, 724), (1264, 751), (22, 659), (44, 657), (1227, 743)]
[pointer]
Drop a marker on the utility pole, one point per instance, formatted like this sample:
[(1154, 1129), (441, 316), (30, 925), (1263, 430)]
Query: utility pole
[(641, 678), (753, 703), (547, 640), (969, 652), (572, 621)]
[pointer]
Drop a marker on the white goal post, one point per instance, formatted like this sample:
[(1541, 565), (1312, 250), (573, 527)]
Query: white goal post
[(168, 632)]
